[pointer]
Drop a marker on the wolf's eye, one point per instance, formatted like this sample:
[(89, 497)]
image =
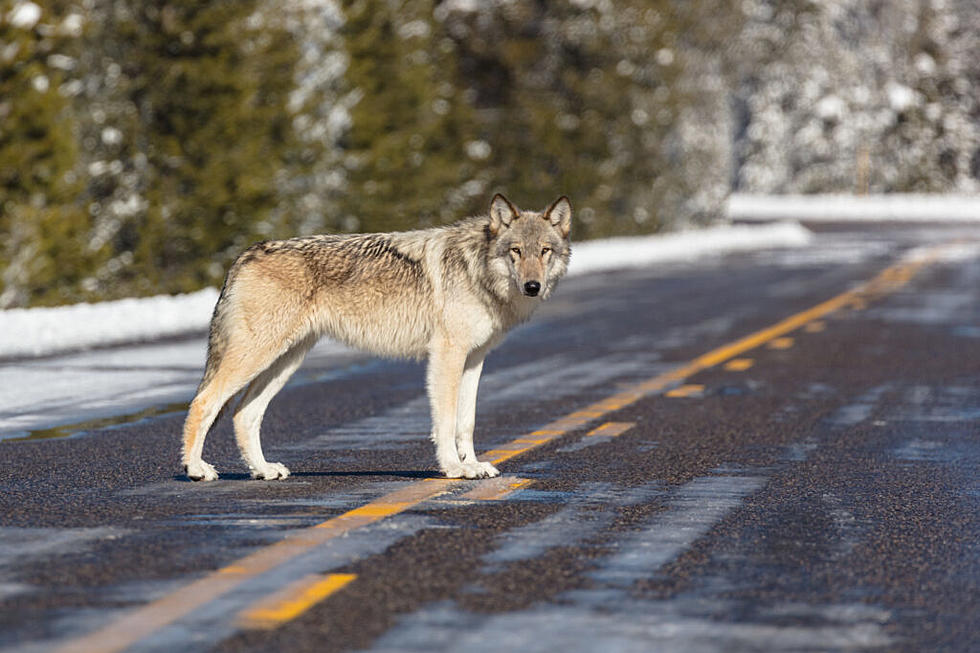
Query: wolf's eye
[(545, 250), (516, 250)]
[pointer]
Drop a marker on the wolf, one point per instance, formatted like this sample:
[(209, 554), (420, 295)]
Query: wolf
[(446, 294)]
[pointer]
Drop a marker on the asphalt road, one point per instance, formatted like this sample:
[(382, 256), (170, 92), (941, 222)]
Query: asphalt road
[(774, 451)]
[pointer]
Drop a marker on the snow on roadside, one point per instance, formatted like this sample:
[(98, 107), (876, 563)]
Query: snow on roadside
[(871, 208), (618, 253), (44, 331)]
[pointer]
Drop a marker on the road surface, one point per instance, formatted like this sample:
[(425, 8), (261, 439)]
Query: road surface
[(774, 451)]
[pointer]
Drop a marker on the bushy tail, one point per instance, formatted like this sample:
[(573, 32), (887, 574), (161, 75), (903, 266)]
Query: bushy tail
[(217, 340), (218, 332)]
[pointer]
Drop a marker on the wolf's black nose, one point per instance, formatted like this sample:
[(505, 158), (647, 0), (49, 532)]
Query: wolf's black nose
[(531, 288)]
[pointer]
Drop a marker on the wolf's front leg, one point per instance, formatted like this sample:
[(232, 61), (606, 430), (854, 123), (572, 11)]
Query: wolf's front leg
[(466, 416), (443, 380)]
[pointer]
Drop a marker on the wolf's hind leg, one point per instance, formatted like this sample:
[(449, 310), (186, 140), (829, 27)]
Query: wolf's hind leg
[(243, 360), (466, 419), (249, 413), (204, 409)]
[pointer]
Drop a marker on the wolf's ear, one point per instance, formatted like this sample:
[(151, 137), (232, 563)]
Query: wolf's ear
[(502, 213), (559, 215)]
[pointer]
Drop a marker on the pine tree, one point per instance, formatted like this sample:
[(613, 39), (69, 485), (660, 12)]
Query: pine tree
[(585, 99), (209, 83), (405, 151), (42, 220)]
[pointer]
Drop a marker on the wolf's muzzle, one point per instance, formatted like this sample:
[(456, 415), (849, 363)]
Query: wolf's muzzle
[(532, 288)]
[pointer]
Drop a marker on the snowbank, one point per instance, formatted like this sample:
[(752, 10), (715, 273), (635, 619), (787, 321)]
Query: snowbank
[(831, 208), (619, 253), (43, 331)]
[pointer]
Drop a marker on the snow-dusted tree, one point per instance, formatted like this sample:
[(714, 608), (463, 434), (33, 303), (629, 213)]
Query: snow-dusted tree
[(405, 153), (605, 100), (187, 132), (320, 105), (845, 95)]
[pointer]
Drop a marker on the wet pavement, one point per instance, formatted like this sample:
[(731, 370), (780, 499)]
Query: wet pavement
[(814, 488)]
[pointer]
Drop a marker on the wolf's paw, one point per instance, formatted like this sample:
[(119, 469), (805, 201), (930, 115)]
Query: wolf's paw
[(270, 472), (484, 470), (471, 470), (200, 471)]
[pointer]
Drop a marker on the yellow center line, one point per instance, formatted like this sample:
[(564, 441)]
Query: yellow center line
[(538, 440), (292, 600), (739, 364), (687, 390), (496, 489), (497, 456), (611, 429), (379, 509), (780, 343), (587, 413), (142, 622)]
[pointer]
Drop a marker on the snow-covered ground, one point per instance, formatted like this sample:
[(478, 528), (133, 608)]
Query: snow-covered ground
[(46, 331), (848, 208), (96, 385)]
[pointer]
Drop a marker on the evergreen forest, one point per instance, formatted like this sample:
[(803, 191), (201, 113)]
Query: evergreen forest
[(145, 143)]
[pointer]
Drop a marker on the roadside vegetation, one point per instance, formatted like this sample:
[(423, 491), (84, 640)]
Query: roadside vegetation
[(144, 143)]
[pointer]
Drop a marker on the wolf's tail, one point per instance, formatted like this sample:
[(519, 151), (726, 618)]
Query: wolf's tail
[(218, 333)]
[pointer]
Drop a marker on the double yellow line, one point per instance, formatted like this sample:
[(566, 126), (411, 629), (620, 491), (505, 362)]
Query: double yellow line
[(144, 621)]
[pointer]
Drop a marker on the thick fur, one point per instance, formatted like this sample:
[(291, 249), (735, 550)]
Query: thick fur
[(448, 294)]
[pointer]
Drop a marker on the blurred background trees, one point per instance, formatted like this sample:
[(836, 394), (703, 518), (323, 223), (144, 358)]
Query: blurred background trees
[(42, 215), (144, 143), (858, 96)]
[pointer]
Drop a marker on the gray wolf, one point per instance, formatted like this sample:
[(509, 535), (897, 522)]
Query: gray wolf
[(448, 294)]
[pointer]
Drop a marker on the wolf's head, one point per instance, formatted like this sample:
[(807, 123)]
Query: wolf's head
[(529, 251)]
